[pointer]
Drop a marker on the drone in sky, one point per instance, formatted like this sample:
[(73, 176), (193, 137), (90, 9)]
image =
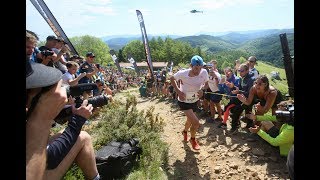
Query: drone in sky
[(196, 11)]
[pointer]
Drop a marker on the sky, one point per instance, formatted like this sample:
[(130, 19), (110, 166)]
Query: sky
[(102, 18)]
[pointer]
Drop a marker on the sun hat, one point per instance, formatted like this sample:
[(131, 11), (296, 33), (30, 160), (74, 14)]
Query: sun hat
[(39, 75)]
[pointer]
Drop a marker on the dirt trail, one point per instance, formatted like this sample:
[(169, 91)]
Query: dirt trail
[(221, 156)]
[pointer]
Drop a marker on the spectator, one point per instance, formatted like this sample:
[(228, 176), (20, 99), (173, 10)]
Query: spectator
[(283, 136), (69, 78), (45, 99), (214, 97), (57, 59), (31, 43), (232, 83), (266, 95), (252, 61), (236, 66), (89, 68)]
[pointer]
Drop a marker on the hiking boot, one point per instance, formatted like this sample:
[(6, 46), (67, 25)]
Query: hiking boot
[(194, 144), (185, 136), (253, 137), (222, 125)]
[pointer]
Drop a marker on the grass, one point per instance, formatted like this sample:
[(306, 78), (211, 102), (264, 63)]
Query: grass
[(281, 84)]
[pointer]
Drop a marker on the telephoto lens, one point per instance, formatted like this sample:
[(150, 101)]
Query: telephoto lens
[(98, 101)]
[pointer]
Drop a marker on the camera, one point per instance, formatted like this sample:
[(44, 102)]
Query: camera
[(76, 92), (47, 53), (286, 115)]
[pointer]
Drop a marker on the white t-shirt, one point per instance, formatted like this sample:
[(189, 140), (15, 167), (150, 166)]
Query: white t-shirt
[(191, 85), (66, 77), (213, 83)]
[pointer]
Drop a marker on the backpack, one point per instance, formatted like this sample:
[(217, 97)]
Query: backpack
[(116, 159)]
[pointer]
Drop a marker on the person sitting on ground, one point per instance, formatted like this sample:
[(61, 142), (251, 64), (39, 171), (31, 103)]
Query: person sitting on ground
[(283, 136), (51, 158), (69, 78)]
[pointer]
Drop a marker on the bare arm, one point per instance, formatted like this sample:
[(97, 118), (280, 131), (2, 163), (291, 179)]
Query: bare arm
[(38, 128), (247, 101), (269, 102), (73, 82), (181, 95)]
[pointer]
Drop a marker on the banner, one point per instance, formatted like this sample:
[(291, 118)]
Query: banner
[(53, 23), (145, 41), (115, 60), (133, 62)]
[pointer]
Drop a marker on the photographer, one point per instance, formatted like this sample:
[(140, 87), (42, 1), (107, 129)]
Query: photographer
[(283, 136), (45, 99)]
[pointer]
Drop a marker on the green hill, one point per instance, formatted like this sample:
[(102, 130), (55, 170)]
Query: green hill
[(268, 48), (208, 43)]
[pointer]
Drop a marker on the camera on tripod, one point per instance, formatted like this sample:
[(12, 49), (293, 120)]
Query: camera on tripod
[(286, 115), (76, 92)]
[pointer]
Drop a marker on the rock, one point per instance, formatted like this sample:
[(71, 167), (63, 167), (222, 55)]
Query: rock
[(258, 152), (228, 141), (273, 158), (217, 169), (234, 147), (230, 154), (215, 144), (254, 159), (254, 174), (234, 166)]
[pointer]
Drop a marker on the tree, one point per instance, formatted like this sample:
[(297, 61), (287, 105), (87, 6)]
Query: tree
[(120, 56), (135, 48), (84, 44)]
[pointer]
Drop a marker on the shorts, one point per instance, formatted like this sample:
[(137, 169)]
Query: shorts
[(215, 97), (273, 132), (187, 106), (207, 95)]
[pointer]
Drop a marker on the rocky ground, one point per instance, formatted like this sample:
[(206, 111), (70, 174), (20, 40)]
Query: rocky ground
[(221, 156)]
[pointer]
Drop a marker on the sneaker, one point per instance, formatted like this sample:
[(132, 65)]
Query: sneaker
[(194, 144), (185, 136), (222, 125)]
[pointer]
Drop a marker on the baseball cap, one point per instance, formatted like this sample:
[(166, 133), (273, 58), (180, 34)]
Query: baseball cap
[(50, 38), (196, 60), (39, 75), (90, 54)]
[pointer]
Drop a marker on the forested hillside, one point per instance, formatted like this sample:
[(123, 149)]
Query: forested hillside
[(264, 44)]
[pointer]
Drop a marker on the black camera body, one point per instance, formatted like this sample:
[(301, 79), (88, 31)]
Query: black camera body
[(287, 115), (47, 53), (76, 92)]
